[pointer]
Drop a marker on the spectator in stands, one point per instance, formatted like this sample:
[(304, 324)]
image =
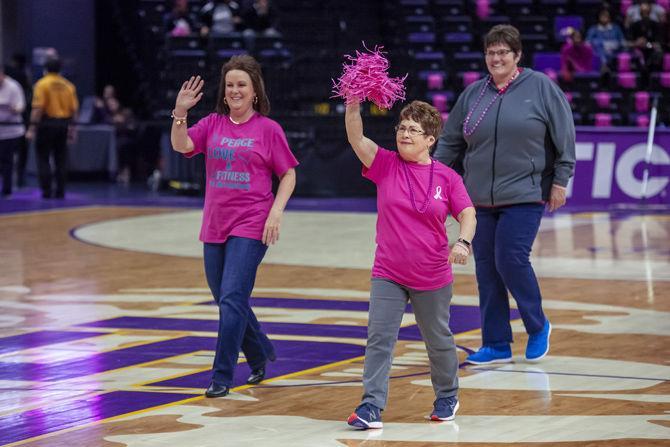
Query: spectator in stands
[(576, 56), (607, 40), (415, 196), (646, 36), (518, 155), (55, 106), (220, 17), (243, 149), (180, 21), (634, 12), (108, 91), (100, 112), (108, 110), (261, 18), (17, 69), (123, 119), (12, 130)]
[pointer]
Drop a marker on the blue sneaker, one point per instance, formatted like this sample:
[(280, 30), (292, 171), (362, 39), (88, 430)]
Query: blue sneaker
[(490, 354), (538, 344), (444, 409), (366, 416)]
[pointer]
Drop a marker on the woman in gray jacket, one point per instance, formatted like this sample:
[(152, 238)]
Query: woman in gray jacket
[(514, 134)]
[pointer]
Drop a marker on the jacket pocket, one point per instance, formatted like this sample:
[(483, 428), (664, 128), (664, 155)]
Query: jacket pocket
[(532, 171)]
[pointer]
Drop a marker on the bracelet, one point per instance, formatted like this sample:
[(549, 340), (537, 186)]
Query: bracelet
[(463, 246), (178, 120)]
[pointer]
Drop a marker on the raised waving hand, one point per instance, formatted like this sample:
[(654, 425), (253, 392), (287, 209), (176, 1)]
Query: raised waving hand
[(189, 95)]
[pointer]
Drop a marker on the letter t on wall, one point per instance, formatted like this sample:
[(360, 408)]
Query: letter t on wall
[(583, 152)]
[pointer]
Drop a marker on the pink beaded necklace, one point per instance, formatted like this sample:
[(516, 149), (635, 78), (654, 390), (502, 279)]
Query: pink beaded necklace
[(424, 207), (500, 92)]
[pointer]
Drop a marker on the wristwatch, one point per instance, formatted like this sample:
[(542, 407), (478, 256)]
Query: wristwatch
[(465, 242)]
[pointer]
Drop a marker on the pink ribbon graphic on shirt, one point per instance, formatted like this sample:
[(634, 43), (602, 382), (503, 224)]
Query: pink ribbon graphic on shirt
[(438, 193)]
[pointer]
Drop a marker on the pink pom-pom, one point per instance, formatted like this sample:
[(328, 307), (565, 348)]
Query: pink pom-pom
[(366, 78)]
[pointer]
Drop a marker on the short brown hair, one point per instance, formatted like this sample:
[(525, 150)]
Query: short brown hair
[(250, 66), (506, 35), (424, 114)]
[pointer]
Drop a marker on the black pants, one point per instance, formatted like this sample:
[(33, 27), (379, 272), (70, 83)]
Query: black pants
[(51, 141), (7, 150), (21, 162), (126, 153)]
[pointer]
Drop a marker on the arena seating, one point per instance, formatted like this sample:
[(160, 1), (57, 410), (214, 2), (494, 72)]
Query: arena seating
[(438, 42)]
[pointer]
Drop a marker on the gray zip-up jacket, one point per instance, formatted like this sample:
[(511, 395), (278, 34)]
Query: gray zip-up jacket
[(524, 144)]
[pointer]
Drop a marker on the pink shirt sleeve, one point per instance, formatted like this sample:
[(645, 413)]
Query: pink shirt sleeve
[(380, 166), (199, 134), (458, 195), (282, 157)]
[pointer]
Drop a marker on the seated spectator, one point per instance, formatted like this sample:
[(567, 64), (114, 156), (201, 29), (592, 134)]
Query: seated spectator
[(646, 36), (261, 19), (220, 17), (633, 14), (576, 56), (607, 39), (180, 21)]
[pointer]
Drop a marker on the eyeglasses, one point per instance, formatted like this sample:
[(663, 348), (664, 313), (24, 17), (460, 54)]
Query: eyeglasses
[(499, 53), (412, 131)]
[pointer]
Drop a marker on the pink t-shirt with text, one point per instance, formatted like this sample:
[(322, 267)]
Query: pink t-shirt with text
[(412, 248), (240, 160)]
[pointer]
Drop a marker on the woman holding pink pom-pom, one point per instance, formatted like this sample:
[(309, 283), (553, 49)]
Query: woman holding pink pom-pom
[(415, 194)]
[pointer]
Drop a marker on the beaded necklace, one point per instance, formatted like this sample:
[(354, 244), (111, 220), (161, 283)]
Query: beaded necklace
[(424, 207), (500, 92)]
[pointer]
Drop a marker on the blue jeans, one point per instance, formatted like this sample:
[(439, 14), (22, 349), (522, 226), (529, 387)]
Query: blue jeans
[(502, 246), (231, 272)]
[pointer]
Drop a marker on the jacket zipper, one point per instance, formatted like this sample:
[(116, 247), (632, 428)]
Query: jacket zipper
[(495, 147)]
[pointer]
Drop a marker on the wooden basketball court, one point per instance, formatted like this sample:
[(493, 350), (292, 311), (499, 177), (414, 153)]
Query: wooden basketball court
[(107, 334)]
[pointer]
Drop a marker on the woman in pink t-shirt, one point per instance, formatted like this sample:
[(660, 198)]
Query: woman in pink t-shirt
[(243, 148), (415, 195)]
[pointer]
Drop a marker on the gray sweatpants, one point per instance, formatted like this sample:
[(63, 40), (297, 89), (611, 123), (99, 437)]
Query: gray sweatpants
[(431, 309)]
